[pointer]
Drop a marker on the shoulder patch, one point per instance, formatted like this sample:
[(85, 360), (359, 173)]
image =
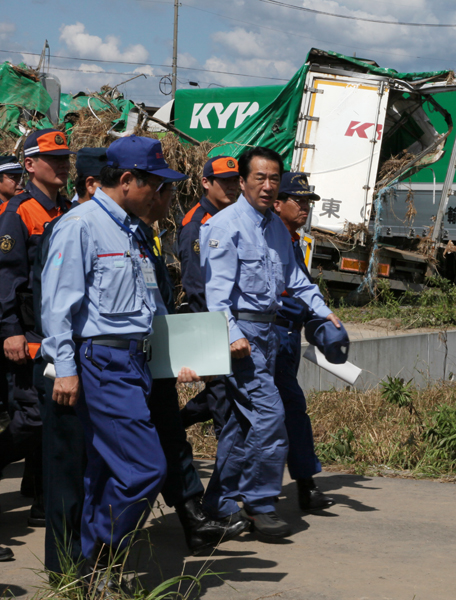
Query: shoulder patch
[(213, 243), (196, 246), (6, 243)]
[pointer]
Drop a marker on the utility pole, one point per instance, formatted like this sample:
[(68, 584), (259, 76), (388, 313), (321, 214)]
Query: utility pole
[(174, 77)]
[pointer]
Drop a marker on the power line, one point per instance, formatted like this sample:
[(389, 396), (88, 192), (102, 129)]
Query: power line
[(97, 72), (305, 37), (141, 64), (328, 14)]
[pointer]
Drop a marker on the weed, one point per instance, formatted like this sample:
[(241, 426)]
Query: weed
[(395, 391), (339, 448), (441, 437)]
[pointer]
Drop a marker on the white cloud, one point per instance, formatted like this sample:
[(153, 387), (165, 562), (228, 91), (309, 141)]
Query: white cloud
[(146, 70), (85, 45)]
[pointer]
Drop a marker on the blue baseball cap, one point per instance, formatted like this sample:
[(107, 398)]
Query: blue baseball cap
[(142, 153), (331, 341), (10, 164), (90, 161), (296, 184)]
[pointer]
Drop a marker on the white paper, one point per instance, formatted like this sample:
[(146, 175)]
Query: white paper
[(49, 371), (348, 372)]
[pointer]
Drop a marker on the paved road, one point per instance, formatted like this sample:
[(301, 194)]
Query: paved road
[(386, 539)]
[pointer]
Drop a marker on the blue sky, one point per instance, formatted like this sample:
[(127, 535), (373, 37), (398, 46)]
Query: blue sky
[(245, 37)]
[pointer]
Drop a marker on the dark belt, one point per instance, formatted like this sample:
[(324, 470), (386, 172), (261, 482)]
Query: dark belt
[(141, 345), (290, 325), (254, 316)]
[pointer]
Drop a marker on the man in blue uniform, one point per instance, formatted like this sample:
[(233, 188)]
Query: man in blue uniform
[(221, 188), (64, 455), (248, 262), (98, 307), (293, 206), (22, 221)]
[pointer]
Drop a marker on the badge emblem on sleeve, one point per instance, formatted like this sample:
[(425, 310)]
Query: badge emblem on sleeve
[(196, 246), (6, 243)]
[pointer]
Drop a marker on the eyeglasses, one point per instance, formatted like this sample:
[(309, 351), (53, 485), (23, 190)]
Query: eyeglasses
[(302, 202)]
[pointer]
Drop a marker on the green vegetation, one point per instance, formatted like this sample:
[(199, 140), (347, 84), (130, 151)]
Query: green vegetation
[(435, 306), (393, 428)]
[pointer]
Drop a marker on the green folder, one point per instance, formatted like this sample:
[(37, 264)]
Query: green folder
[(199, 341)]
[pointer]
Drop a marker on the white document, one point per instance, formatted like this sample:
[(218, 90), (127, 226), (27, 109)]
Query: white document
[(199, 341), (347, 372), (49, 371)]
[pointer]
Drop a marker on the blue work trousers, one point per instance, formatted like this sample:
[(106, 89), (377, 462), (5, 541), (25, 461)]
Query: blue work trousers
[(302, 460), (253, 445), (126, 466)]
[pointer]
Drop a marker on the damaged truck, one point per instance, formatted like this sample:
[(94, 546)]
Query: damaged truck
[(377, 146)]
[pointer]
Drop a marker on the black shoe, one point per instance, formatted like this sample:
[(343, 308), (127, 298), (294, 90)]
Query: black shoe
[(37, 515), (100, 578), (310, 497), (6, 553), (267, 524), (203, 532)]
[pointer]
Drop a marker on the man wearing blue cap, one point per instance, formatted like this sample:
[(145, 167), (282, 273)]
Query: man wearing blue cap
[(247, 262), (64, 456), (98, 306), (293, 207), (22, 221), (10, 177)]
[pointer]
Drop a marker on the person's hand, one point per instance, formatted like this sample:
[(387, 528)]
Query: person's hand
[(240, 348), (335, 320), (187, 375), (66, 390), (16, 349)]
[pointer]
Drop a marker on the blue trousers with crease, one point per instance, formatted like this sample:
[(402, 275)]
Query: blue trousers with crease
[(126, 466), (253, 445)]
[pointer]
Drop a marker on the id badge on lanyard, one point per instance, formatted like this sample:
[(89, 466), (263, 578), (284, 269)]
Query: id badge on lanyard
[(148, 271)]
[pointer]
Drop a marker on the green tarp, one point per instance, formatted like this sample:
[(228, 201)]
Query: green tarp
[(18, 90), (275, 125)]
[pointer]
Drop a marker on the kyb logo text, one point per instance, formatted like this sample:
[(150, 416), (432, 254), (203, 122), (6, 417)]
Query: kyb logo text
[(201, 112)]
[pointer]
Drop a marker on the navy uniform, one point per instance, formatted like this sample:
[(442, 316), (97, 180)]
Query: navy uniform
[(22, 221), (64, 455), (302, 461), (98, 307), (211, 403), (11, 169), (248, 262)]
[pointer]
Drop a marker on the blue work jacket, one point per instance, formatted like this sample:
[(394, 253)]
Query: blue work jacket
[(92, 283), (248, 262)]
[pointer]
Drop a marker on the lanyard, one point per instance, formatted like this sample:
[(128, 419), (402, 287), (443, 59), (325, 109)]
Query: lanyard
[(140, 240)]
